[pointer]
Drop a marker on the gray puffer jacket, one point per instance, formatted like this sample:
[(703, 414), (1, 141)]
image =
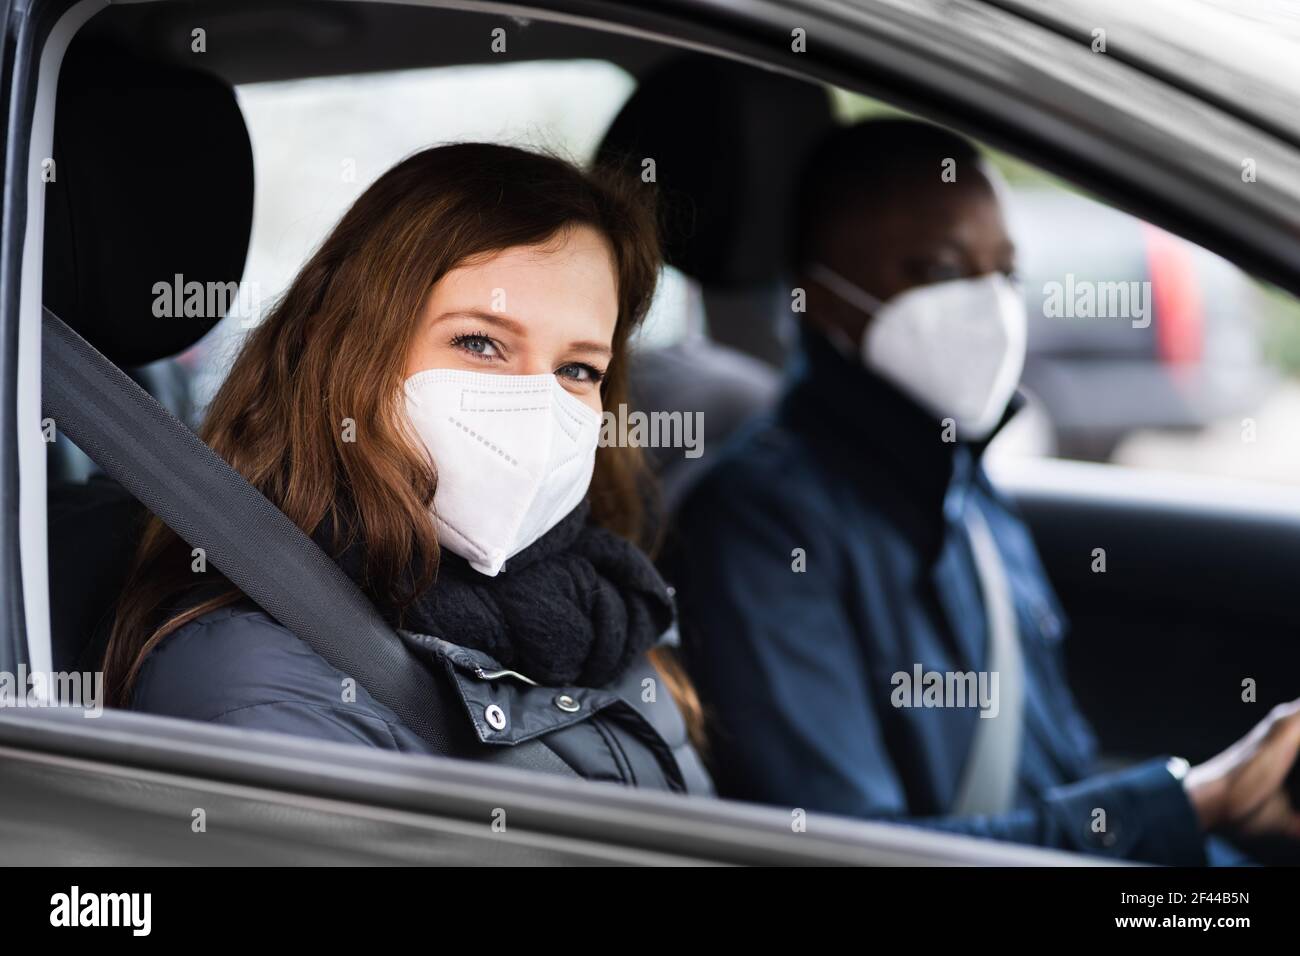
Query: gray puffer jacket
[(238, 666)]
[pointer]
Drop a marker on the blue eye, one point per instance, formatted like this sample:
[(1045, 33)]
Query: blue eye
[(477, 344), (580, 372)]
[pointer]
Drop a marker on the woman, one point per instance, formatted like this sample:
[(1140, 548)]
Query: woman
[(425, 400)]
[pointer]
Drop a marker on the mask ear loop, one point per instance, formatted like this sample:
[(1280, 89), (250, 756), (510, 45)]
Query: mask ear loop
[(848, 293)]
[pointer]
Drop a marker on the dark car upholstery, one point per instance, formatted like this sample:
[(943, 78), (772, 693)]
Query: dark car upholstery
[(727, 141), (153, 179)]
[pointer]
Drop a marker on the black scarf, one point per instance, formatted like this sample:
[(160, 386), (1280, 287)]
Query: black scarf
[(574, 608)]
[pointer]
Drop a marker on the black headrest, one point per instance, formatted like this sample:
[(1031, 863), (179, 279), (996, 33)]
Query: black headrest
[(152, 178), (727, 142)]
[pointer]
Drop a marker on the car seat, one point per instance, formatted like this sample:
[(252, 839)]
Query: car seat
[(727, 141), (153, 178)]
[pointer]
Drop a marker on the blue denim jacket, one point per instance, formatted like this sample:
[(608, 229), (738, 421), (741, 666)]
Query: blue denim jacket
[(823, 553)]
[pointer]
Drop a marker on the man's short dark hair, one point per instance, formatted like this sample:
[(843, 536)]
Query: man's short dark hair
[(857, 166)]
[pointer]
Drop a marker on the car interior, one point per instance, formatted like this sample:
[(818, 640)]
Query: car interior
[(1156, 654)]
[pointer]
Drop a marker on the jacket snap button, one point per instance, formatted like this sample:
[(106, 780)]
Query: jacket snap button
[(567, 704), (496, 717)]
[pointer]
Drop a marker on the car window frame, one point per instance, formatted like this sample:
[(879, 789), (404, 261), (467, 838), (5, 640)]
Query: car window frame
[(757, 27)]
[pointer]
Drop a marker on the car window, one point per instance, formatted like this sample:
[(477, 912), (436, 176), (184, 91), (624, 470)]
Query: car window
[(1144, 348)]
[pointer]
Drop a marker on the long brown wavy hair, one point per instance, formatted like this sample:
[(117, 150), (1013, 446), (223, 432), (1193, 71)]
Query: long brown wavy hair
[(335, 347)]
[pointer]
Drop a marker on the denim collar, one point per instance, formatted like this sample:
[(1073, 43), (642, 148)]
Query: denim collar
[(869, 426)]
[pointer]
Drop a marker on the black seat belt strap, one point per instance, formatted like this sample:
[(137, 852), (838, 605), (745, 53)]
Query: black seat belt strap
[(165, 466)]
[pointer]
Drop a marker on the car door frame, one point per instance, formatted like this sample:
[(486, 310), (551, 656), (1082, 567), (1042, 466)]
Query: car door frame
[(132, 746), (15, 82), (125, 788)]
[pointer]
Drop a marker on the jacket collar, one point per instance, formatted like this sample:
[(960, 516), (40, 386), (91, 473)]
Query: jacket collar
[(873, 426), (505, 707), (523, 709)]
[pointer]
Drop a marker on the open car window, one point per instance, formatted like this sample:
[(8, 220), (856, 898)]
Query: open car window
[(1145, 349)]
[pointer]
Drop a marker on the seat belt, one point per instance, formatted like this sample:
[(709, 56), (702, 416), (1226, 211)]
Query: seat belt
[(988, 783), (165, 466)]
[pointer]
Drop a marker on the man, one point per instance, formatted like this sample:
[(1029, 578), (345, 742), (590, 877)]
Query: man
[(865, 616)]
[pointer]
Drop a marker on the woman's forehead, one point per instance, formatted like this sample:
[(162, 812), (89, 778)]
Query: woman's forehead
[(564, 285)]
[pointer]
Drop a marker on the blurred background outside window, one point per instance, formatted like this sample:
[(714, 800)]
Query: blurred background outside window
[(1144, 349)]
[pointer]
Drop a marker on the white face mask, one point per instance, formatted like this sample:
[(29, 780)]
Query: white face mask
[(957, 348), (514, 454)]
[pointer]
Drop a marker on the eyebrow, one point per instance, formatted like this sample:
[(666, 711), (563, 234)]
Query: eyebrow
[(491, 318), (592, 348), (1007, 251), (516, 327)]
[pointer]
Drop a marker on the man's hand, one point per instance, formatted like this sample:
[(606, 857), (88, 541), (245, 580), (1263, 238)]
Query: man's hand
[(1243, 788)]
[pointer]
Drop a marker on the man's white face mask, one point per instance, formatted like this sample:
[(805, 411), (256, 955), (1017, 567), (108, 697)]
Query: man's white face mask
[(514, 454), (956, 348)]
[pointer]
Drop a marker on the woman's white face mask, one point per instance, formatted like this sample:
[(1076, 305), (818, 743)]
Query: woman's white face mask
[(514, 454), (956, 348)]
